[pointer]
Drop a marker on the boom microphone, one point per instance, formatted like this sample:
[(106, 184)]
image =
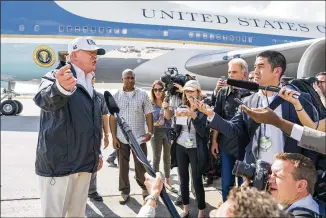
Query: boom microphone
[(250, 85), (135, 147), (253, 86)]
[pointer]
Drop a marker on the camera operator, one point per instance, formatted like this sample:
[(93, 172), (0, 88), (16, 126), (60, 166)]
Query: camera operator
[(292, 183), (309, 138), (190, 147)]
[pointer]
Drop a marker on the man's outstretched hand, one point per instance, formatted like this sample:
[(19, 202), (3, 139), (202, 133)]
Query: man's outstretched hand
[(262, 115)]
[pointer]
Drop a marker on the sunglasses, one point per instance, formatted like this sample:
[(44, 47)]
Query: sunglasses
[(158, 90)]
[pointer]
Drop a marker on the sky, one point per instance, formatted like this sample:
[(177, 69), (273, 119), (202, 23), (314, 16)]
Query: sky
[(294, 10)]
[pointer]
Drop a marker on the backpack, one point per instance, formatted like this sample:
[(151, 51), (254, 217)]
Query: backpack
[(301, 212)]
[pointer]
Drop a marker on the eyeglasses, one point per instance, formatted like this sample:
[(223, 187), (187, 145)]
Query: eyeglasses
[(158, 90)]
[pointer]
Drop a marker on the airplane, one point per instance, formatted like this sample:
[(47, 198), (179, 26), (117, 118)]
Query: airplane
[(148, 37)]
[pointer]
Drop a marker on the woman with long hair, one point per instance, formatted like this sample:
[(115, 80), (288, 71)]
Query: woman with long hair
[(190, 146), (161, 138)]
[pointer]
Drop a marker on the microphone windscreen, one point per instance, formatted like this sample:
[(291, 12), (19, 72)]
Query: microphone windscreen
[(243, 84), (110, 103)]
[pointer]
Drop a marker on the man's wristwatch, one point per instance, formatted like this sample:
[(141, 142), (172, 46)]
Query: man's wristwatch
[(153, 197)]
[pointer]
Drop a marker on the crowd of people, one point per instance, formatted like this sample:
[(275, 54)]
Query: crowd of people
[(198, 137)]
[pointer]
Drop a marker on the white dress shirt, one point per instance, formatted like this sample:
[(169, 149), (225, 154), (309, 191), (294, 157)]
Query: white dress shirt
[(85, 81)]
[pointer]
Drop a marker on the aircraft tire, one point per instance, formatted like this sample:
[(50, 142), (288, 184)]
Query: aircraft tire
[(9, 107), (20, 106)]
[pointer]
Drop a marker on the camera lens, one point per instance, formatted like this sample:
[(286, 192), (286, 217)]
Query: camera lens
[(243, 169)]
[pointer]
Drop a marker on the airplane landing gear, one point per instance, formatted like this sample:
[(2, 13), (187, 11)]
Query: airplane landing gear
[(10, 107)]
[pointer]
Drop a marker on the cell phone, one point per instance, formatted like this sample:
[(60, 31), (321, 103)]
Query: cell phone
[(239, 102)]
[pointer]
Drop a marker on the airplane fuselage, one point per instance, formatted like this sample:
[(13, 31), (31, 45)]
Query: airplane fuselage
[(140, 35)]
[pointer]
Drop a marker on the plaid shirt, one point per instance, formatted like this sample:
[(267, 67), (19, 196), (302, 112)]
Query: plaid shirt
[(133, 110)]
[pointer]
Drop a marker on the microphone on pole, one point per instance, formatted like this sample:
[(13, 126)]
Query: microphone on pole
[(130, 137), (254, 86)]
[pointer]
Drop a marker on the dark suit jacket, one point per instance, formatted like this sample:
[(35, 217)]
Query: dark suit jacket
[(241, 125)]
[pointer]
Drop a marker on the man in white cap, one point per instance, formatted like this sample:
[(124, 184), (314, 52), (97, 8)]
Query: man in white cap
[(68, 148)]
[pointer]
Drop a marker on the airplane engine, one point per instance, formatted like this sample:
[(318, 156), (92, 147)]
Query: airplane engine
[(313, 59)]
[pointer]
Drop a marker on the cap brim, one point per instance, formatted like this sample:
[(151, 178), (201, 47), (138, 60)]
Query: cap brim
[(100, 51), (189, 88)]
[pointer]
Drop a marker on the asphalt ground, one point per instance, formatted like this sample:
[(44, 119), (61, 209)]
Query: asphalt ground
[(19, 183)]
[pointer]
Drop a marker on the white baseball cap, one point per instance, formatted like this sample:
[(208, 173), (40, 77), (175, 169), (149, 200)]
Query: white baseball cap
[(84, 43)]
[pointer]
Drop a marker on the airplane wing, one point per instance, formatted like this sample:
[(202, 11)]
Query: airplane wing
[(308, 54)]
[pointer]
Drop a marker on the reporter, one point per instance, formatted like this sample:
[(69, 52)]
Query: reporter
[(287, 95), (161, 138), (190, 147)]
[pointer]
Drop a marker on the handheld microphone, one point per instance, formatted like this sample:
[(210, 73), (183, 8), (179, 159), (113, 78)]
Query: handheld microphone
[(253, 86), (134, 145)]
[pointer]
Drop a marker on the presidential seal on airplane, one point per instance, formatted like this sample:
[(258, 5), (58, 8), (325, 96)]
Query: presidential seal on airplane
[(44, 56)]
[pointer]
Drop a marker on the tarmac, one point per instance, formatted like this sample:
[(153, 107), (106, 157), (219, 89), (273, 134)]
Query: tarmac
[(19, 183)]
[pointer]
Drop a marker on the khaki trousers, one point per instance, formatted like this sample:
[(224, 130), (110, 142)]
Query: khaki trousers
[(64, 196)]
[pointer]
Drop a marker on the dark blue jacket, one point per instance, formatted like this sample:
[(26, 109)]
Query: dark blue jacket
[(70, 130), (241, 125)]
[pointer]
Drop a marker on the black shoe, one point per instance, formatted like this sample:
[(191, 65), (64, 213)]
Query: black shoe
[(111, 163), (208, 181), (178, 201), (96, 197)]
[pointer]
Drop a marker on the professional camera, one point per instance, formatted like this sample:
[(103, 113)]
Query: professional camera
[(170, 78), (258, 173)]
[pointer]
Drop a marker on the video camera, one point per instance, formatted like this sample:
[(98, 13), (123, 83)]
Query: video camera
[(258, 173), (170, 78)]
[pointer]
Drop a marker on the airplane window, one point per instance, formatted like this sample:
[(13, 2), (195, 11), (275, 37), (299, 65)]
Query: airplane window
[(250, 40), (211, 36), (93, 29), (191, 34), (218, 37), (36, 28), (285, 41), (225, 37), (108, 30), (77, 29), (69, 28), (198, 35), (244, 39), (116, 30), (231, 38), (21, 27), (101, 29), (85, 29), (61, 29), (124, 31), (205, 35), (274, 42), (165, 33)]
